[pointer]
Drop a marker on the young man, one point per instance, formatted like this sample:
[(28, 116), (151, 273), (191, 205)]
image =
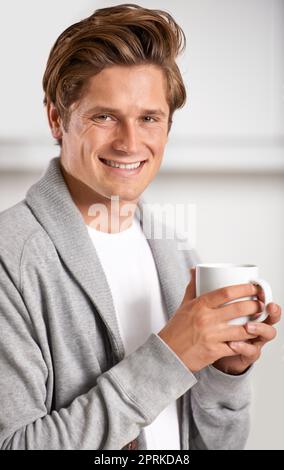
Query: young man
[(103, 342)]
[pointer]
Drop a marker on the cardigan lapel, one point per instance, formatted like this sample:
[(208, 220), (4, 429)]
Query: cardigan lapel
[(50, 201)]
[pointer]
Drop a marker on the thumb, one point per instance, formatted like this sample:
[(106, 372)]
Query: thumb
[(191, 288)]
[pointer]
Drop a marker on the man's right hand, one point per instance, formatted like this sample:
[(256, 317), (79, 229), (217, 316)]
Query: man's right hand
[(199, 329)]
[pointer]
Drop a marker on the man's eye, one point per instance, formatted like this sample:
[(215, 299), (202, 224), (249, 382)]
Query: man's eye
[(148, 119), (102, 117)]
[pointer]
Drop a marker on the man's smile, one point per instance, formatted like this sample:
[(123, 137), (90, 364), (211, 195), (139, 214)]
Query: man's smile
[(123, 168)]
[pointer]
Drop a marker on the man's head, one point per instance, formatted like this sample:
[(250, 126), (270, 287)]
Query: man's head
[(111, 87)]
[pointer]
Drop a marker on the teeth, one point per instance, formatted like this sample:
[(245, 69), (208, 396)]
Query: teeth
[(130, 166)]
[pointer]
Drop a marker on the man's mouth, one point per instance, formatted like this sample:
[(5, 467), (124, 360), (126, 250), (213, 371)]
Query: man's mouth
[(122, 169), (124, 166)]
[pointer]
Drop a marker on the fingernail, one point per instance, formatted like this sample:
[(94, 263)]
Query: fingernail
[(251, 327), (234, 344)]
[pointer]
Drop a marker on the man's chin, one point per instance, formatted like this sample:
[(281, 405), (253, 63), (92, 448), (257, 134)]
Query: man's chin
[(123, 197)]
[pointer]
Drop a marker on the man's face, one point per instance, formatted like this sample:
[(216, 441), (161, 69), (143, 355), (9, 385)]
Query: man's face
[(122, 118)]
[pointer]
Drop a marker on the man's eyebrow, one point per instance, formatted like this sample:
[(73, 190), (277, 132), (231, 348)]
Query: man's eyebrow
[(107, 110)]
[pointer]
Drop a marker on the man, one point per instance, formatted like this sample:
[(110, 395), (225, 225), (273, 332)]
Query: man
[(104, 344)]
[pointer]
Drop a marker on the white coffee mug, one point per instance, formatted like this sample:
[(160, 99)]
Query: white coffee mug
[(213, 276)]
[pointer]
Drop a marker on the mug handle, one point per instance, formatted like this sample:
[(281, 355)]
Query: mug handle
[(267, 298)]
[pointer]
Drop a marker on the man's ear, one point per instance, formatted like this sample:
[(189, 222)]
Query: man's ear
[(54, 120)]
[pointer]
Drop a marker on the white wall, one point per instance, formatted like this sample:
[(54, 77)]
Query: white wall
[(233, 69), (226, 147)]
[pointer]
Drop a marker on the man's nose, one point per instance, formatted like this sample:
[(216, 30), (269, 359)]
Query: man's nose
[(126, 139)]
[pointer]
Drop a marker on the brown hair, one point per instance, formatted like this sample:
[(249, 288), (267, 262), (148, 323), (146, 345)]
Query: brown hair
[(125, 34)]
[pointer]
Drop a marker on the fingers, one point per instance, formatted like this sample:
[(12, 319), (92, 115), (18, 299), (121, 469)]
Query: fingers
[(190, 292), (218, 297), (262, 330), (246, 341), (239, 309), (250, 352), (234, 333), (226, 350), (260, 293), (274, 312)]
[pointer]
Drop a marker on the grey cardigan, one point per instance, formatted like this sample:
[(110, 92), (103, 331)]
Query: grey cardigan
[(65, 382)]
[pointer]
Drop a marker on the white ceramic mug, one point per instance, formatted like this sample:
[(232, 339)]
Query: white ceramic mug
[(213, 276)]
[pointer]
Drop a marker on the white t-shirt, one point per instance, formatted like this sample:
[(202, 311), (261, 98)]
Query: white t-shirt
[(133, 279)]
